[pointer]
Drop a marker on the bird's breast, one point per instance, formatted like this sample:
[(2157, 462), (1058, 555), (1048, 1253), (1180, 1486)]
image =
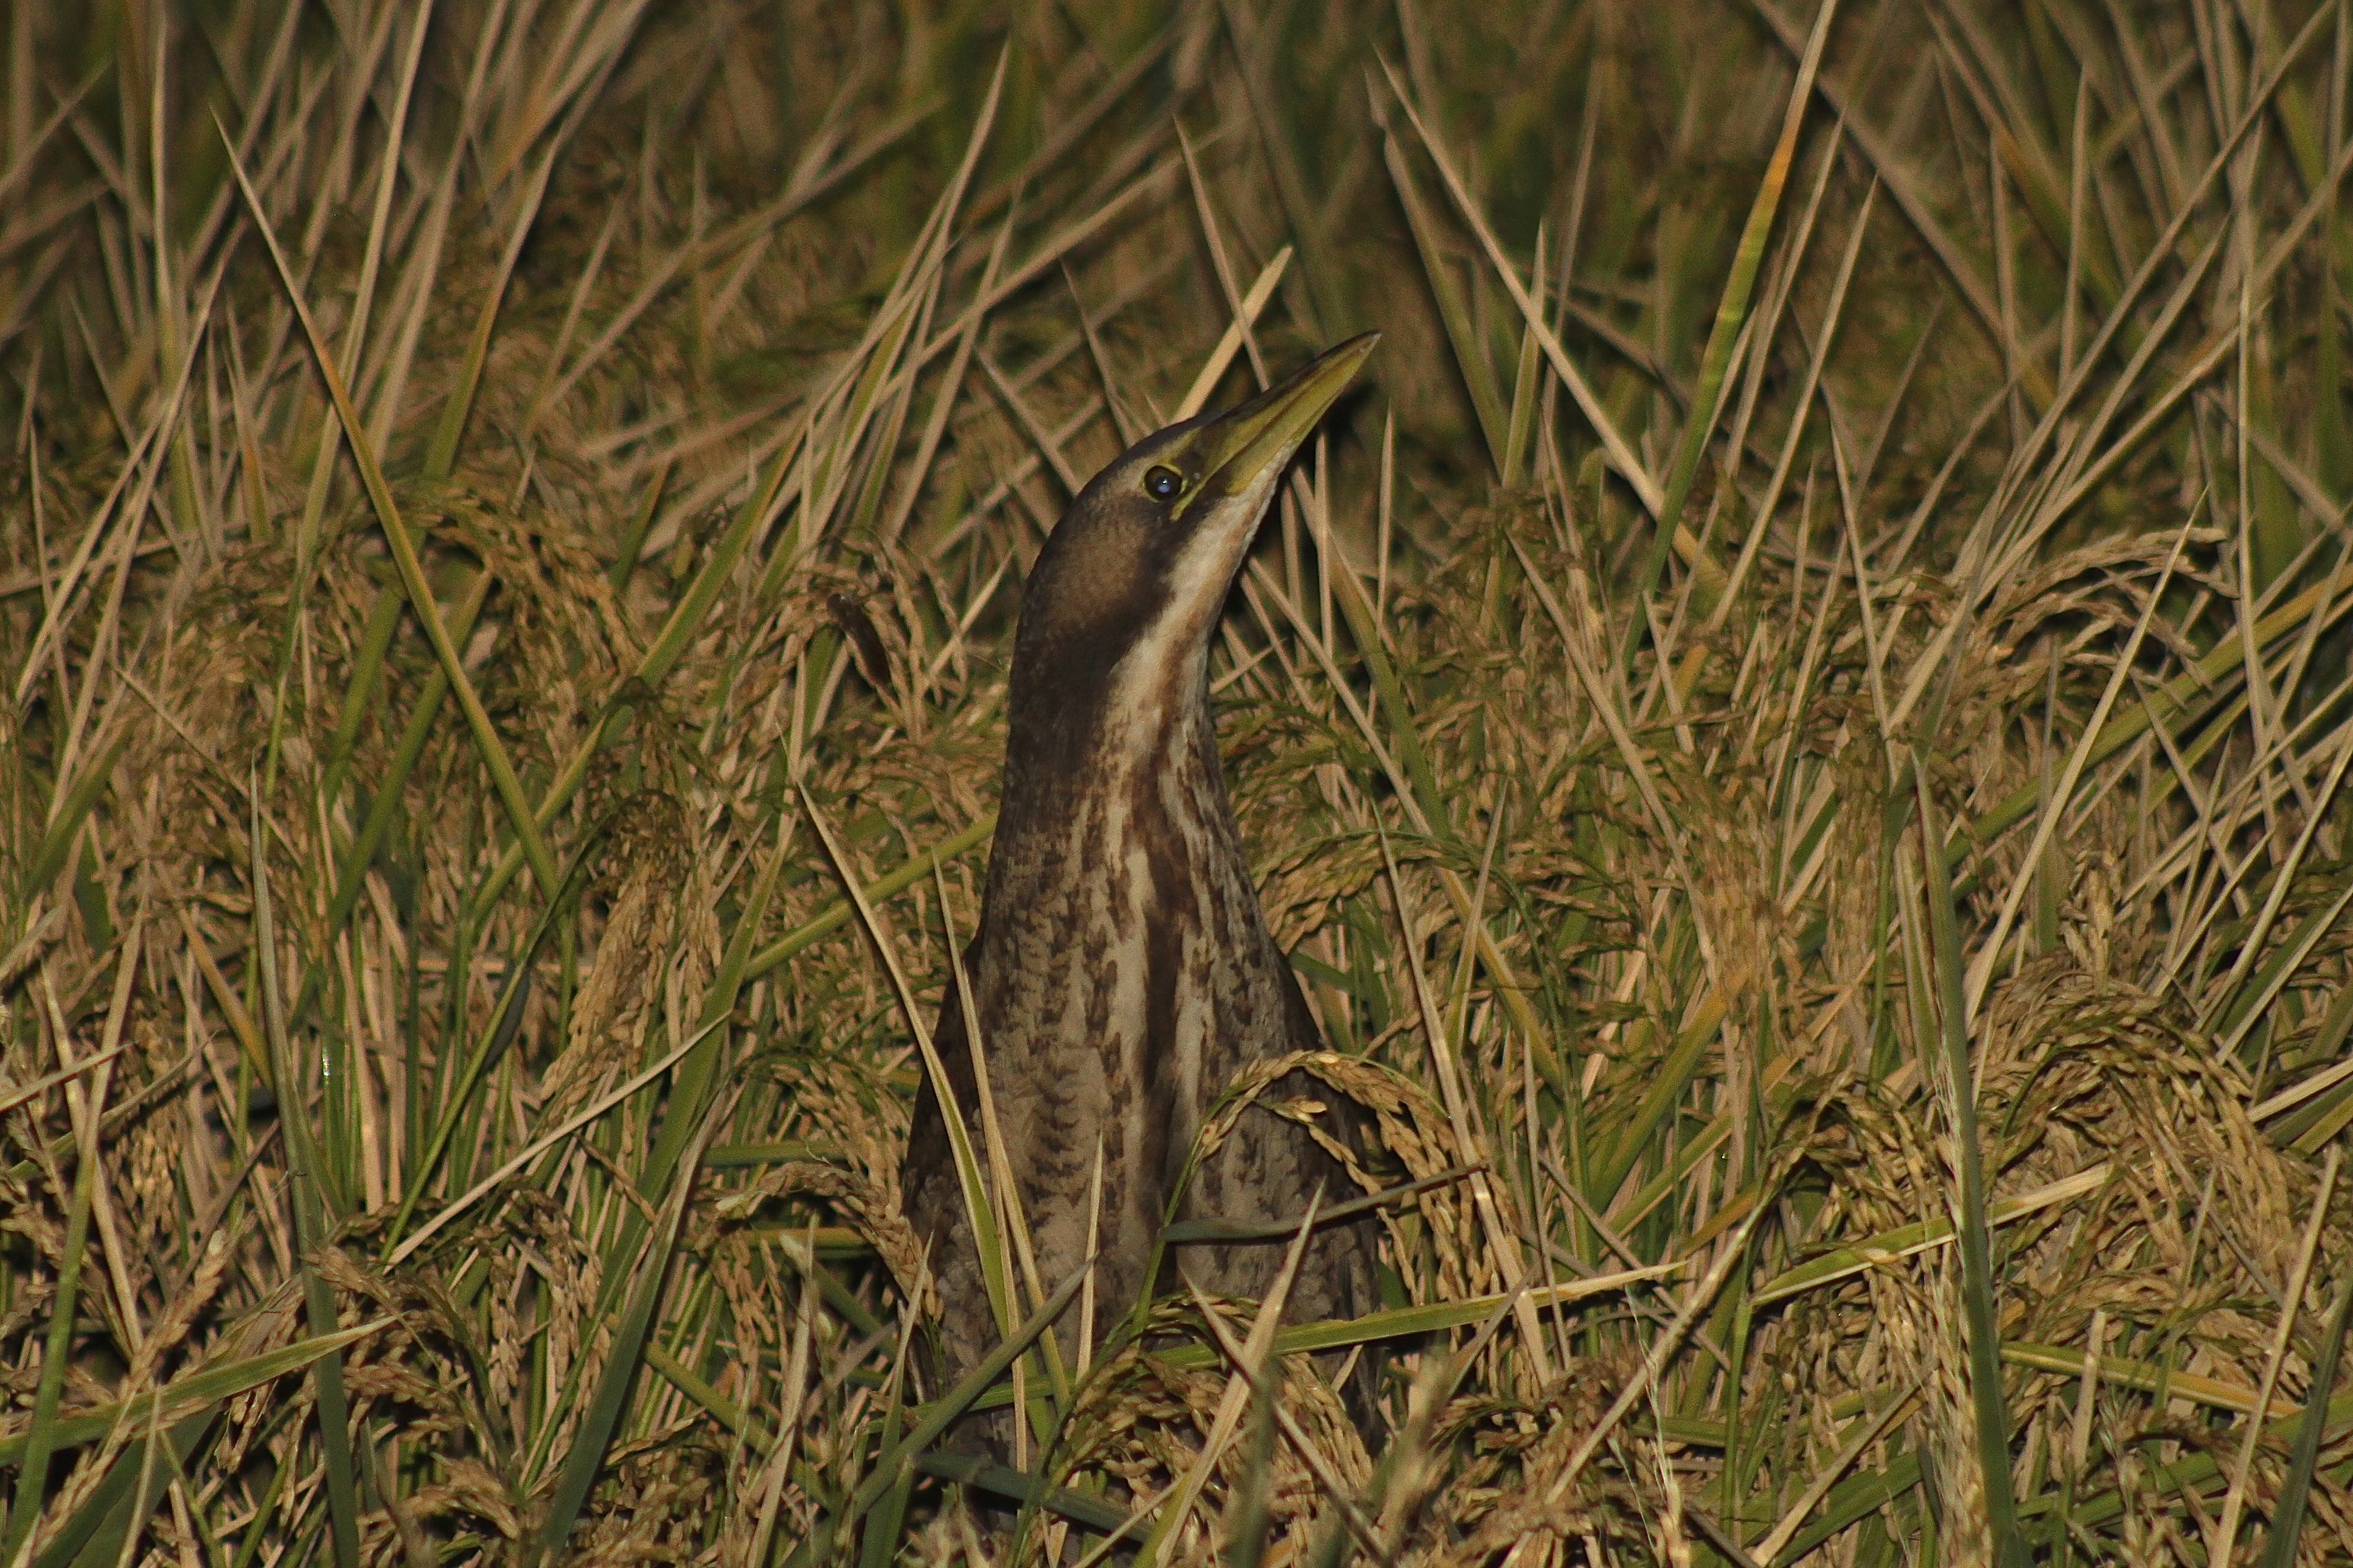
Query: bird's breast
[(1126, 975)]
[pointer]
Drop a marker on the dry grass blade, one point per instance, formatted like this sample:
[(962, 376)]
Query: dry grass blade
[(584, 1462), (2051, 815), (1638, 1388), (1622, 455), (1888, 1246), (1868, 1432), (2286, 1531), (1237, 1355), (1402, 1322), (10, 1099), (1256, 1351), (2223, 1542), (533, 1151), (403, 553)]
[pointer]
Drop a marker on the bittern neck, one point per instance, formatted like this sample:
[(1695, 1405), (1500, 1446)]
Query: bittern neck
[(1124, 960), (1132, 747)]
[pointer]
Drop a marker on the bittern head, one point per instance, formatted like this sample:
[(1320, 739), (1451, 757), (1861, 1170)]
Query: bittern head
[(1130, 583)]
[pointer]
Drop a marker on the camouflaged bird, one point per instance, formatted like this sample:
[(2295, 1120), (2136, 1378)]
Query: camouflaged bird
[(1122, 974)]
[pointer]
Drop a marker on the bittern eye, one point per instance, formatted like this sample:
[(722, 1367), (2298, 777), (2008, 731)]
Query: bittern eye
[(1163, 483)]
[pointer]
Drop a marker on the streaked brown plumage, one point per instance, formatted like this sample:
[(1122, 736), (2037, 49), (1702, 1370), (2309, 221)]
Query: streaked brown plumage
[(1122, 974)]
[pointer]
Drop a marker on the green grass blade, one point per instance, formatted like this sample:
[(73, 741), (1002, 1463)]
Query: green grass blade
[(2202, 1472), (549, 1143), (94, 1535), (1404, 1322), (359, 691), (1015, 1486), (383, 804), (313, 1224), (42, 1439), (1731, 313), (2183, 701), (1469, 355), (58, 838), (1850, 1501), (633, 541), (2304, 1456), (685, 623), (881, 1538), (606, 1407), (441, 451), (1873, 1251), (1680, 1065), (190, 1393), (684, 1118), (1959, 1078), (988, 1234), (1620, 452), (421, 599), (497, 1034), (890, 885), (941, 1414)]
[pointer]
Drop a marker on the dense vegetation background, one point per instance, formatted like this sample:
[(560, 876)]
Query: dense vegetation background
[(1795, 729)]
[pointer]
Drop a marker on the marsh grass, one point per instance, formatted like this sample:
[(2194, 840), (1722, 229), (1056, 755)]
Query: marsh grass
[(1794, 733)]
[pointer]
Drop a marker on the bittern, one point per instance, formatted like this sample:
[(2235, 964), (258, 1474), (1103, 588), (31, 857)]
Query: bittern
[(1122, 973)]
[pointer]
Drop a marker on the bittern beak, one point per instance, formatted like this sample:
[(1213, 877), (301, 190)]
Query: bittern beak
[(1239, 452)]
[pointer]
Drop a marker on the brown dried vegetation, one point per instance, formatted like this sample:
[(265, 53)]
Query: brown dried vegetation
[(1795, 733)]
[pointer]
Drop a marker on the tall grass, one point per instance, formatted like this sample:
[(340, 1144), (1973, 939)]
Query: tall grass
[(1794, 735)]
